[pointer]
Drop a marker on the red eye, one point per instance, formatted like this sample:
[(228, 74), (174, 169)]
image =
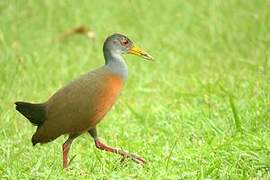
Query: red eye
[(124, 42)]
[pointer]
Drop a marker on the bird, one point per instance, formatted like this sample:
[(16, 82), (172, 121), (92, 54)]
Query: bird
[(80, 105)]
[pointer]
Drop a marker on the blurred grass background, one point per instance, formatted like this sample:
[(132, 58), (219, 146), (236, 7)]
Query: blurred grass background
[(200, 111)]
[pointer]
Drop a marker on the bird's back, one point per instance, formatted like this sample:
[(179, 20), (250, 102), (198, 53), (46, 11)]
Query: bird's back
[(80, 105)]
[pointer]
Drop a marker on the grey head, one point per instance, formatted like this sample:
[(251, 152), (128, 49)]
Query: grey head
[(117, 44), (113, 48)]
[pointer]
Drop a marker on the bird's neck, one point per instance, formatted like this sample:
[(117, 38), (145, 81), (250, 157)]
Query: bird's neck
[(116, 64)]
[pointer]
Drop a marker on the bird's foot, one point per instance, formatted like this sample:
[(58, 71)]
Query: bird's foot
[(134, 157), (124, 154), (138, 160)]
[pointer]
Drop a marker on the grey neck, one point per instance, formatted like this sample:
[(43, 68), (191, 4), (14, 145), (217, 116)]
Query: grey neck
[(116, 64)]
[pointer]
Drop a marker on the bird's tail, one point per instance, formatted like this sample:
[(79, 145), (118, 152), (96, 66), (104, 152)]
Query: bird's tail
[(35, 113)]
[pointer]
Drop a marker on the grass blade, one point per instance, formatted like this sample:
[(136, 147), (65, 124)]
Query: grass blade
[(236, 118)]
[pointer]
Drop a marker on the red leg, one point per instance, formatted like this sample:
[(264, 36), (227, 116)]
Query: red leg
[(102, 146), (66, 147)]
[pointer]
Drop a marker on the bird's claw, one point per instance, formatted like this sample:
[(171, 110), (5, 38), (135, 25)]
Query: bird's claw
[(135, 158), (139, 160)]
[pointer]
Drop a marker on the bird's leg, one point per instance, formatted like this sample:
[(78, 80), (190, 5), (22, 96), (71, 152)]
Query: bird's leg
[(103, 146), (66, 147)]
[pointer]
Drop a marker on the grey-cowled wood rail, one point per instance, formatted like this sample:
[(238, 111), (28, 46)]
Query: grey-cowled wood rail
[(80, 105)]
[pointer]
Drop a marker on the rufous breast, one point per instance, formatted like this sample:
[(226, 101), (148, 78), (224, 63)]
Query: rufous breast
[(108, 93)]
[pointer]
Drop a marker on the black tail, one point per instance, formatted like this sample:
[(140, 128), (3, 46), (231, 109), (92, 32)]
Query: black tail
[(36, 113)]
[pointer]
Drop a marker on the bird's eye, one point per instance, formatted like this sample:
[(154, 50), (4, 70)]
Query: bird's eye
[(124, 42)]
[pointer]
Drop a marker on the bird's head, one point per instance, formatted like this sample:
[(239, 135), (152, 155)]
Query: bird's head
[(120, 44)]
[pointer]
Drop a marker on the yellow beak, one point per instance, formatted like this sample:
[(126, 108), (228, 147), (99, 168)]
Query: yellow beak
[(140, 52)]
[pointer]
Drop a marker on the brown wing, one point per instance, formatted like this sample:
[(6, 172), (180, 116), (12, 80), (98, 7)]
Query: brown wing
[(80, 105)]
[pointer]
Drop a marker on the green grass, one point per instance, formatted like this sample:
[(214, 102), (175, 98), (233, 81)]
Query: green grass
[(200, 111)]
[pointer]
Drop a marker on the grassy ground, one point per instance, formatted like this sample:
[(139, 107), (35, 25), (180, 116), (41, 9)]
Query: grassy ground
[(200, 111)]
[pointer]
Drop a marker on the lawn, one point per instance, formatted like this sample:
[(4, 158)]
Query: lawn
[(201, 110)]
